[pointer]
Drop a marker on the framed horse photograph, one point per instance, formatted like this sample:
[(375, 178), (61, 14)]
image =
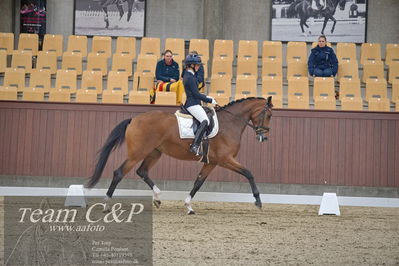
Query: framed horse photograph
[(305, 20), (109, 17)]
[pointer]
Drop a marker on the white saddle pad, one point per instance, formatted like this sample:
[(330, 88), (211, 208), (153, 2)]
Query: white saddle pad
[(185, 125)]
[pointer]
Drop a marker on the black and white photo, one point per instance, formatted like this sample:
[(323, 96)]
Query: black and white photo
[(110, 17), (304, 20)]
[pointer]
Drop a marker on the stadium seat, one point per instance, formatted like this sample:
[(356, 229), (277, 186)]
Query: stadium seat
[(86, 95), (141, 96), (146, 63), (14, 77), (8, 93), (221, 98), (202, 48), (297, 68), (144, 80), (298, 92), (97, 62), (3, 61), (33, 94), (166, 98), (112, 96), (391, 53), (346, 52), (222, 66), (376, 87), (151, 46), (47, 60), (72, 61), (28, 42), (348, 69), (248, 50), (7, 42), (92, 81), (272, 67), (220, 84), (40, 80), (324, 93), (379, 104), (247, 66), (373, 70), (272, 50), (393, 72), (395, 90), (126, 46), (22, 59), (60, 95), (177, 47), (122, 63), (223, 49), (297, 51), (54, 43), (246, 84), (350, 94), (370, 52), (118, 81), (65, 81), (273, 86), (77, 44), (102, 45)]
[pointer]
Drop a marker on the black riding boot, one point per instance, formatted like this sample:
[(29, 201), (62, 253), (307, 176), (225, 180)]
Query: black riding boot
[(195, 147)]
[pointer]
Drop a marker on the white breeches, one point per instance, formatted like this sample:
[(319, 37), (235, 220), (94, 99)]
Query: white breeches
[(198, 112)]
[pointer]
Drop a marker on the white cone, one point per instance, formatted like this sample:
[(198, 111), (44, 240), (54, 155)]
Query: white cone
[(75, 196), (329, 204)]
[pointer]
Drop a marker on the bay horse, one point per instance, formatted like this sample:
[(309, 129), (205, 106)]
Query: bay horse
[(150, 134), (303, 8), (119, 4)]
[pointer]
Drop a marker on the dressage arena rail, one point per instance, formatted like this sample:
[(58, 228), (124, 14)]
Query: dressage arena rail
[(306, 147)]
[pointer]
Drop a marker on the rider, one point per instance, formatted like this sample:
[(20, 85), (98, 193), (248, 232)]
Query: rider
[(194, 98)]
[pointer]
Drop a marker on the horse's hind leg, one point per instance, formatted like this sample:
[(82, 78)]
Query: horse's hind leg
[(105, 9), (142, 171), (335, 22), (121, 12), (130, 4), (205, 171)]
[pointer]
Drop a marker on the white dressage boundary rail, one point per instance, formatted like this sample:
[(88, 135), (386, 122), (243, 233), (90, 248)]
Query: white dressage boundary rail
[(206, 196)]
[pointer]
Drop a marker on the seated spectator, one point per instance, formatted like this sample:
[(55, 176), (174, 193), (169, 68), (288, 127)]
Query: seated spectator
[(322, 60)]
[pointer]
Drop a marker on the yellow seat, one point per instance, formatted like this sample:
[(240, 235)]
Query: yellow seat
[(146, 63), (60, 95), (151, 46), (298, 92), (122, 63), (314, 44), (246, 84), (28, 42), (23, 60), (222, 66), (395, 90), (272, 67), (126, 46), (3, 61), (86, 96), (97, 62), (373, 70), (346, 51), (33, 94), (248, 50), (92, 81), (53, 43), (118, 81), (350, 94), (8, 93), (221, 98), (7, 42), (393, 71), (66, 80), (47, 60), (297, 68), (348, 69), (102, 45), (273, 86), (202, 48), (391, 53), (14, 77), (370, 52), (176, 45), (324, 93), (139, 97), (72, 61), (40, 80), (297, 51), (376, 87), (112, 96), (272, 50), (223, 49), (247, 66), (77, 44), (396, 101), (378, 103), (220, 84), (166, 98), (144, 80)]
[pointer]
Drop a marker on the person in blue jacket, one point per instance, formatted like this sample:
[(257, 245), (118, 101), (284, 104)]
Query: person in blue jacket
[(322, 61), (167, 69), (200, 74), (194, 98)]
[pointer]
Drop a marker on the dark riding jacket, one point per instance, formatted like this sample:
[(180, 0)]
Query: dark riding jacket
[(166, 72), (199, 75), (194, 97), (322, 58)]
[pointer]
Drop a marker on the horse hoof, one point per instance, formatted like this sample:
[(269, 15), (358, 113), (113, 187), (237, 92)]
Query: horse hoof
[(258, 204), (157, 203), (191, 212)]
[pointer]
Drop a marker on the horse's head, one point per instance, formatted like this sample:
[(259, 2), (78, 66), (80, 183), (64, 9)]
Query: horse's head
[(261, 119), (342, 4)]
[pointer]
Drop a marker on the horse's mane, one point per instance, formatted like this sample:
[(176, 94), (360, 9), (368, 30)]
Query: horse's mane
[(237, 101)]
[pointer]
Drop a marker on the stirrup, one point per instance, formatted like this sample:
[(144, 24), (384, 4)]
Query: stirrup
[(195, 149)]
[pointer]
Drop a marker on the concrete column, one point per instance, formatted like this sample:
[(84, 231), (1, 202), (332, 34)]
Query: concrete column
[(213, 21), (7, 15)]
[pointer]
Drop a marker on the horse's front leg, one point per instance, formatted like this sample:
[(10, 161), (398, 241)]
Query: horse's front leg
[(232, 164), (335, 22), (120, 9), (105, 9), (324, 25), (130, 4), (206, 169)]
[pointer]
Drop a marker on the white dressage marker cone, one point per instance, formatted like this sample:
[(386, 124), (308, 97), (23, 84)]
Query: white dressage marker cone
[(75, 196), (329, 204)]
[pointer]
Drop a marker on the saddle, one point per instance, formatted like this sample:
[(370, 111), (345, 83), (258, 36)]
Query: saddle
[(209, 112)]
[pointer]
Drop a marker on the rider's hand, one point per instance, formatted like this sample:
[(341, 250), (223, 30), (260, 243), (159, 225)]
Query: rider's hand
[(214, 102)]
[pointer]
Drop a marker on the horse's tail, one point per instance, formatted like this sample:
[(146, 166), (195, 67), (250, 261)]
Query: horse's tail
[(115, 139)]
